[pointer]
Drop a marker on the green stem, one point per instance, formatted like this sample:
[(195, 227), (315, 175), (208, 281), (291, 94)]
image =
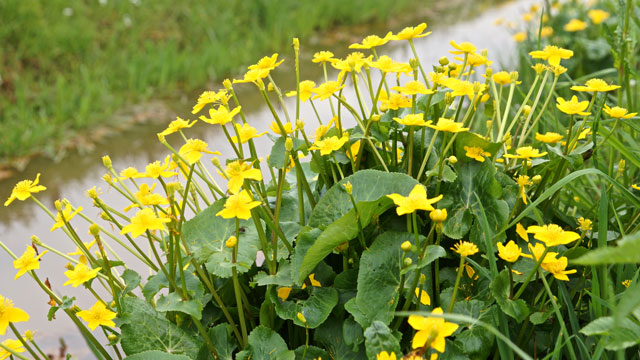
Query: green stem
[(236, 290), (24, 343), (457, 284)]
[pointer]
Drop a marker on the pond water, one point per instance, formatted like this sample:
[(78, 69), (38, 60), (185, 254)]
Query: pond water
[(138, 146)]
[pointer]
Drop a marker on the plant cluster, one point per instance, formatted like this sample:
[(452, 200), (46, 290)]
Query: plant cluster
[(466, 214)]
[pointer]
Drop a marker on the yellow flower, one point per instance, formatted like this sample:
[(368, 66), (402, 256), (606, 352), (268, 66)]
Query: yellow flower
[(237, 171), (393, 102), (448, 125), (537, 251), (354, 149), (323, 56), (238, 206), (80, 275), (510, 252), (476, 153), (597, 16), (520, 36), (325, 90), (194, 148), (146, 196), (552, 54), (465, 248), (557, 268), (10, 314), (372, 41), (438, 215), (144, 220), (618, 112), (306, 88), (520, 230), (595, 85), (546, 31), (156, 170), (130, 173), (416, 200), (386, 356), (575, 25), (207, 97), (14, 345), (423, 297), (413, 120), (68, 214), (523, 181), (626, 283), (330, 144), (82, 258), (432, 329), (255, 76), (313, 281), (321, 130), (572, 107), (411, 32), (353, 62), (413, 87), (267, 63), (98, 315), (585, 224), (288, 128), (231, 242), (220, 116), (502, 78), (246, 132), (28, 261), (462, 88), (549, 137), (23, 190), (387, 65), (283, 292), (462, 48), (177, 125), (552, 235), (526, 152), (636, 186)]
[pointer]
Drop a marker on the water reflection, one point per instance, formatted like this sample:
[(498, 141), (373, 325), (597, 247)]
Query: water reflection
[(138, 147)]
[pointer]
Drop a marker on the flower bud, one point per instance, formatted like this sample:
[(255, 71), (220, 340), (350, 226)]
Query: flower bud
[(406, 246), (529, 163), (69, 266), (58, 205), (526, 110), (489, 123), (407, 261), (438, 215), (227, 84), (92, 193), (452, 159), (375, 118), (36, 240), (342, 247), (94, 229), (413, 63), (296, 44), (112, 337), (161, 138), (350, 261), (270, 87), (29, 335), (104, 216), (348, 188), (536, 179), (106, 160), (484, 53), (539, 68), (301, 317), (172, 187), (288, 144), (448, 98), (216, 162), (621, 166), (423, 279), (108, 179), (231, 242), (489, 72), (300, 124), (444, 61), (452, 66)]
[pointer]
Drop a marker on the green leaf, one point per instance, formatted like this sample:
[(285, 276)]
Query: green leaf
[(330, 336), (173, 302), (67, 303), (276, 158), (306, 238), (500, 290), (458, 222), (316, 309), (433, 252), (380, 338), (131, 279), (475, 340), (379, 277), (312, 353), (618, 334), (156, 355), (266, 344), (144, 329), (470, 139), (352, 333), (222, 341), (627, 252), (206, 234), (335, 214)]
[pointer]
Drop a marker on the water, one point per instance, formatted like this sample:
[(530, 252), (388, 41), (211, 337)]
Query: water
[(138, 146)]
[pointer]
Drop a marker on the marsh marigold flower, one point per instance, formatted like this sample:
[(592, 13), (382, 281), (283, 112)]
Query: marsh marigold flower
[(465, 248), (552, 54), (510, 252), (207, 97), (462, 48), (416, 200), (283, 292), (549, 137), (386, 356), (28, 261), (598, 16), (575, 25), (156, 169), (546, 31), (323, 56), (372, 41), (525, 152), (68, 213), (557, 268), (387, 65), (438, 215), (237, 171), (413, 87), (306, 88), (393, 102), (585, 224), (618, 112), (130, 173), (80, 274), (144, 220), (325, 90), (10, 314), (413, 120), (246, 133), (98, 315), (411, 32), (595, 85), (573, 107), (330, 144), (552, 235), (288, 128), (177, 125), (520, 36), (476, 153), (23, 190), (238, 206), (448, 125), (523, 181), (423, 297), (194, 148), (433, 329), (221, 115), (267, 63)]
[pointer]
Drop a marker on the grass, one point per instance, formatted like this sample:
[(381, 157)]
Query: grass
[(67, 68)]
